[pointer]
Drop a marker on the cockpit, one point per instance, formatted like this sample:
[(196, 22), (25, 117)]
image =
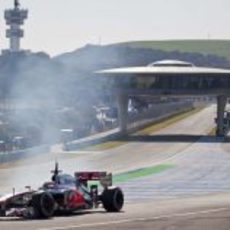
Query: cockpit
[(65, 179), (61, 181)]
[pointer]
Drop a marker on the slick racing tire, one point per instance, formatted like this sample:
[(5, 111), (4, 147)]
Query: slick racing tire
[(43, 205), (112, 199)]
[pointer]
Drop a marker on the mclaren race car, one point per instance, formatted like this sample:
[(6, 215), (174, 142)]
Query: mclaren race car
[(64, 194)]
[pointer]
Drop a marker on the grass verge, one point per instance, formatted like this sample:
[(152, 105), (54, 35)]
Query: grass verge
[(123, 177), (212, 132), (217, 47), (139, 173)]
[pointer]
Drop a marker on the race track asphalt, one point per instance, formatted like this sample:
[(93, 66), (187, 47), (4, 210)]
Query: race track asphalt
[(187, 195)]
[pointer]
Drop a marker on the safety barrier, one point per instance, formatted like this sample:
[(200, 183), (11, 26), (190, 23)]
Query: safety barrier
[(6, 157), (136, 122)]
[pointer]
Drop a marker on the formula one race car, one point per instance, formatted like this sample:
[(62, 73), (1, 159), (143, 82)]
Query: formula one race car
[(64, 194)]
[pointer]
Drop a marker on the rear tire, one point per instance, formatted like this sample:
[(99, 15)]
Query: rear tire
[(112, 199), (44, 205)]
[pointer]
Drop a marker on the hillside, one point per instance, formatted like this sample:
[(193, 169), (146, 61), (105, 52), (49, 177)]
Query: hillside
[(92, 57), (61, 92), (214, 47)]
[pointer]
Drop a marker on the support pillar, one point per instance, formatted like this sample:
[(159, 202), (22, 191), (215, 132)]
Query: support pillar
[(122, 101), (221, 104)]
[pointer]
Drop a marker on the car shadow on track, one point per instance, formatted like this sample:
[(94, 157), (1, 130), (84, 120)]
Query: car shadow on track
[(66, 215), (175, 138)]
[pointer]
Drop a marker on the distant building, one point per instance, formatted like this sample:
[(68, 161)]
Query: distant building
[(172, 78), (15, 19)]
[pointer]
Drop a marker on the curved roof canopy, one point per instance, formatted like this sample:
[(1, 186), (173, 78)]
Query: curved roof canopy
[(168, 63), (167, 67)]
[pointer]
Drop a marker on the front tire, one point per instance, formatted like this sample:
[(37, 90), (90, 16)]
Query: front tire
[(112, 199), (43, 205)]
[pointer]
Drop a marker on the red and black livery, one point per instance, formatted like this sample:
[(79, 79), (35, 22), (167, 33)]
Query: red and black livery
[(64, 193)]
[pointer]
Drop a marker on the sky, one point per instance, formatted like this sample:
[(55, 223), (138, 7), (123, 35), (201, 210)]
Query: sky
[(57, 26)]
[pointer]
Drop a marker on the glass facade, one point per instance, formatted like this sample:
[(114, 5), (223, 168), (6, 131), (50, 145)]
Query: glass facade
[(173, 82)]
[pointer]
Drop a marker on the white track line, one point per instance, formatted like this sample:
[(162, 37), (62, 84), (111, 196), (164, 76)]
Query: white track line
[(141, 219)]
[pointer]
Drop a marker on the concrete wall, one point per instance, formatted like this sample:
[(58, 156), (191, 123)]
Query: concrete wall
[(135, 122), (25, 153), (156, 113)]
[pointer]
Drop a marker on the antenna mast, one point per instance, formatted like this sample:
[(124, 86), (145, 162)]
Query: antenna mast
[(15, 19)]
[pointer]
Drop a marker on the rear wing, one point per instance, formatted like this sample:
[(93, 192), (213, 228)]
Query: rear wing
[(104, 177)]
